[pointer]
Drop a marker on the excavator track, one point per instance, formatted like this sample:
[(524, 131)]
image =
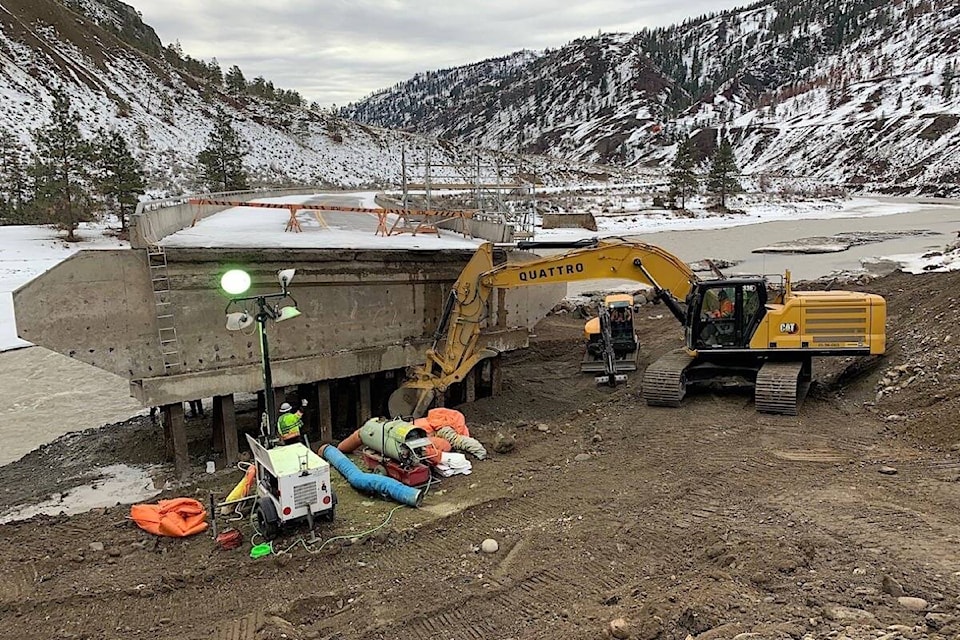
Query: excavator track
[(780, 389), (664, 384)]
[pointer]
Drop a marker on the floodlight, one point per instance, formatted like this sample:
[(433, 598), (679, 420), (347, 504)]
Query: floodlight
[(235, 281), (287, 313), (285, 276), (238, 320)]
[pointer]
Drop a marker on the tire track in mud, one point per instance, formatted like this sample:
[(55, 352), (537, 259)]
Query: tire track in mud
[(883, 527), (17, 585), (244, 628), (508, 607), (407, 556), (524, 609)]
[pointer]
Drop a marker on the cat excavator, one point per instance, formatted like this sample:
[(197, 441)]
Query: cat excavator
[(754, 328)]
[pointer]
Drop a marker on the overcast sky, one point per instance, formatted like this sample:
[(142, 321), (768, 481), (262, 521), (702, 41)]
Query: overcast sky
[(338, 51)]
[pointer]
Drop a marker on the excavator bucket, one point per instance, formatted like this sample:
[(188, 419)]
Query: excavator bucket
[(410, 402)]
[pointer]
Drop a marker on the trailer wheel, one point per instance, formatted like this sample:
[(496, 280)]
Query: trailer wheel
[(267, 518)]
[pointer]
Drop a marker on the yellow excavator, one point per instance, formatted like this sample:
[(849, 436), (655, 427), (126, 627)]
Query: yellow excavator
[(612, 347), (750, 327)]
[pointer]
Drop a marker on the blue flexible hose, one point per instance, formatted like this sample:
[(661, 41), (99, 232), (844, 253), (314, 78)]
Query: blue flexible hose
[(371, 482)]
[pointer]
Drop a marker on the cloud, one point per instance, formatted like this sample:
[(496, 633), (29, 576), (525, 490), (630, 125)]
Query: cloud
[(339, 51)]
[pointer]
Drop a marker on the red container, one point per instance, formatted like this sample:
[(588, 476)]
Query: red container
[(415, 476)]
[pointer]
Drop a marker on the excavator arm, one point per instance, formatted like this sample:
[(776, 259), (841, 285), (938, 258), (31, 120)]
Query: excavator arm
[(465, 312)]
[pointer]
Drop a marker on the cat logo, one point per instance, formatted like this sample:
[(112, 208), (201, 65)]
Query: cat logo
[(788, 327)]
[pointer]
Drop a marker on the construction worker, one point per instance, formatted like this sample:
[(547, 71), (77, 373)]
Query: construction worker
[(289, 424), (726, 305)]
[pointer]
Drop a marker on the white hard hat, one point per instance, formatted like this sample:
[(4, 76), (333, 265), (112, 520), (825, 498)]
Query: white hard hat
[(285, 407)]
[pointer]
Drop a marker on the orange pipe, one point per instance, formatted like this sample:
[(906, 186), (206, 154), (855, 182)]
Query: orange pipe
[(351, 443)]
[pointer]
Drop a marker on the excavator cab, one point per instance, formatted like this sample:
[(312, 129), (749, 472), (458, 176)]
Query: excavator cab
[(724, 314)]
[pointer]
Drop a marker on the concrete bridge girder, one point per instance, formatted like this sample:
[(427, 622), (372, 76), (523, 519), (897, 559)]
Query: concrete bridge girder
[(363, 312)]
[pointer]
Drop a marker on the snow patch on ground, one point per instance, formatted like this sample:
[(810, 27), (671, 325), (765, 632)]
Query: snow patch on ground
[(934, 262), (118, 483)]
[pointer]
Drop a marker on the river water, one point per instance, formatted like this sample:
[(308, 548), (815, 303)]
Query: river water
[(46, 395), (736, 244)]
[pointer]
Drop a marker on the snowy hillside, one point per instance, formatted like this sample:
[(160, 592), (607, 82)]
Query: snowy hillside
[(880, 113), (854, 92), (585, 101), (166, 114)]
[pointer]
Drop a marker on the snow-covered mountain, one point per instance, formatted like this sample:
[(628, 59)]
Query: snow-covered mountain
[(118, 76), (855, 92)]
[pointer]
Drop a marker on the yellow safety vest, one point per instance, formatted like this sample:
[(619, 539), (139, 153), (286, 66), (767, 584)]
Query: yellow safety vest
[(289, 425)]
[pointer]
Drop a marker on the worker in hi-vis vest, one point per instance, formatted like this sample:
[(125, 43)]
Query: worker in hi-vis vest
[(289, 424)]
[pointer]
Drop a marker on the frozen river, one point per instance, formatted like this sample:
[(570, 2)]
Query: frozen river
[(46, 395), (736, 244)]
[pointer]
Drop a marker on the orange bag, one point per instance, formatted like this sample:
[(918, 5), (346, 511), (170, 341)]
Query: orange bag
[(443, 417), (424, 424), (177, 518)]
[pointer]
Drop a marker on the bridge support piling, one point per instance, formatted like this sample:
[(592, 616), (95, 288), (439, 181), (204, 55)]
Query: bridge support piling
[(175, 438), (470, 386), (325, 412), (225, 428), (365, 410), (311, 417), (496, 375)]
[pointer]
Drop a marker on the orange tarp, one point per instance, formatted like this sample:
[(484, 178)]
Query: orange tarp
[(178, 518), (443, 417)]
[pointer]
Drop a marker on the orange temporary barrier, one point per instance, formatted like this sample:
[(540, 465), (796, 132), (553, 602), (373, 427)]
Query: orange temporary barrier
[(177, 518), (351, 443), (443, 417)]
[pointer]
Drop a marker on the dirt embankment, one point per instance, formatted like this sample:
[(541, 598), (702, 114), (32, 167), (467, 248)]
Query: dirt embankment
[(710, 521)]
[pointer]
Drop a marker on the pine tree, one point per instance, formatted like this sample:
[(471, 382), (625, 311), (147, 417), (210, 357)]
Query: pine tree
[(13, 179), (683, 179), (214, 74), (61, 170), (119, 176), (722, 180), (222, 160), (236, 83)]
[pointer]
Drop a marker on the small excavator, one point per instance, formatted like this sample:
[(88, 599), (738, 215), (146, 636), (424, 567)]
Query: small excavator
[(612, 345), (753, 328)]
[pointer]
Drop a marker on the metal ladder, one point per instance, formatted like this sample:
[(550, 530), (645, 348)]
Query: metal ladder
[(166, 328)]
